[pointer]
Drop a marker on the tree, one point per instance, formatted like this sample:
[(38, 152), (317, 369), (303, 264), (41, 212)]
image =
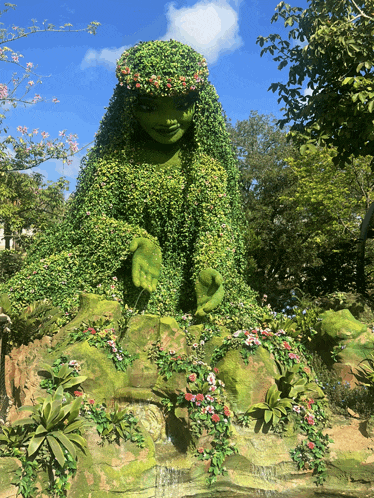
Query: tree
[(26, 202), (303, 211), (24, 152), (332, 202), (330, 48), (272, 238)]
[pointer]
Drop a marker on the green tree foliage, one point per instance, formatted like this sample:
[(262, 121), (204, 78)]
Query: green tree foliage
[(303, 212), (273, 242), (331, 202), (330, 48), (26, 202)]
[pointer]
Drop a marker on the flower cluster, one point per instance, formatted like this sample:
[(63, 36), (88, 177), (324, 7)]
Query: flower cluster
[(105, 339), (166, 77)]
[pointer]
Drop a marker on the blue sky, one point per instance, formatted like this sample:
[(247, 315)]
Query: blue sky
[(79, 69)]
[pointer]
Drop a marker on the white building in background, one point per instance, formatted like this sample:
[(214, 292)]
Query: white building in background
[(2, 240)]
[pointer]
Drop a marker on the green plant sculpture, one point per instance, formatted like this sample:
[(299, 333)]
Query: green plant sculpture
[(157, 206)]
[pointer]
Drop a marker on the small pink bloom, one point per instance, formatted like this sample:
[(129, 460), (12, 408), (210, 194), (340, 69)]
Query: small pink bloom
[(215, 417), (192, 377), (310, 445)]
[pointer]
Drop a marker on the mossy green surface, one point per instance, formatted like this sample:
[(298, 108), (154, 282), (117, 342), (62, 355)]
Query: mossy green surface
[(340, 325), (113, 470), (246, 384)]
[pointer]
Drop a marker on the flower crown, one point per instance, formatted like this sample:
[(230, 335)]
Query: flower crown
[(162, 68)]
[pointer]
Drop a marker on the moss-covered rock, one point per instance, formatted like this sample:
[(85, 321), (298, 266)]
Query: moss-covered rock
[(114, 470), (340, 325), (247, 384)]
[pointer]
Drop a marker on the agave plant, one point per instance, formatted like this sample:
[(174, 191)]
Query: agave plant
[(272, 409), (54, 427)]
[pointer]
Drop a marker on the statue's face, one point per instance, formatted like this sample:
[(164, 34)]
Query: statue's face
[(165, 119)]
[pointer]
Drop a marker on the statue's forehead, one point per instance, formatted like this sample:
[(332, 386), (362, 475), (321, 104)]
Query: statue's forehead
[(189, 97)]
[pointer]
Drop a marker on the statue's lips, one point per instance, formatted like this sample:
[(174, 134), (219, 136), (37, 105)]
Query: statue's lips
[(167, 131)]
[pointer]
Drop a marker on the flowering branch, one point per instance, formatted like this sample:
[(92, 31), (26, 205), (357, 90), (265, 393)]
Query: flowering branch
[(27, 154)]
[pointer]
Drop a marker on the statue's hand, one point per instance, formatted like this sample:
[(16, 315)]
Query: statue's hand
[(146, 263), (209, 291)]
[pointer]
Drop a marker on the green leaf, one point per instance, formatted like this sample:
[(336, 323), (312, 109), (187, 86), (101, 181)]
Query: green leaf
[(74, 409), (56, 450), (268, 416), (78, 440), (66, 442), (36, 440), (74, 381)]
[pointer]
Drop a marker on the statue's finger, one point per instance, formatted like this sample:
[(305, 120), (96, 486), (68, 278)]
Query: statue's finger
[(134, 245), (154, 284), (136, 272)]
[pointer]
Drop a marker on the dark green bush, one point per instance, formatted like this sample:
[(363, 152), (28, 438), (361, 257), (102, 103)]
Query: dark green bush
[(11, 262)]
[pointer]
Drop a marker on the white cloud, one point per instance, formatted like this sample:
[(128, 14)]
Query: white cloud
[(308, 91), (106, 57), (210, 27), (69, 170)]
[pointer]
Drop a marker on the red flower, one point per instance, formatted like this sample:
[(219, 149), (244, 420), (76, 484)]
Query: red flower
[(310, 419), (184, 84), (168, 85), (226, 411), (215, 369), (78, 393), (188, 397), (310, 445), (138, 85), (150, 80), (286, 345), (200, 450), (310, 403), (192, 377), (179, 357), (199, 397), (215, 417), (91, 401), (93, 332)]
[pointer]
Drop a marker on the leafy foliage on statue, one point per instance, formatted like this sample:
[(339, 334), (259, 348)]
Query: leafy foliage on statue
[(330, 50), (159, 191)]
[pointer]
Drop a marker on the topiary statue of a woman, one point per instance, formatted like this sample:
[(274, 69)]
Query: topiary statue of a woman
[(157, 205)]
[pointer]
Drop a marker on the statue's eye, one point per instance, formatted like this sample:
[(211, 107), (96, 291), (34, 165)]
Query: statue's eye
[(184, 106), (146, 107)]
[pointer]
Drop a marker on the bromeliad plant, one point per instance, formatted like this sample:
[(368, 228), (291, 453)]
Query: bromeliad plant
[(47, 439), (100, 337), (270, 412), (114, 425), (63, 373)]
